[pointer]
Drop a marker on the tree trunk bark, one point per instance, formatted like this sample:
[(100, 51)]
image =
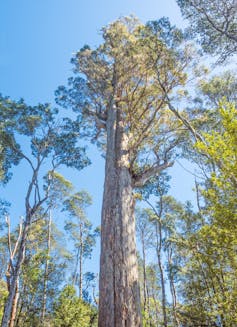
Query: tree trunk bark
[(119, 302), (14, 306), (15, 277)]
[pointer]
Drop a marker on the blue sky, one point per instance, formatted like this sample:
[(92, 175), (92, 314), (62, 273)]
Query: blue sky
[(37, 40), (39, 37)]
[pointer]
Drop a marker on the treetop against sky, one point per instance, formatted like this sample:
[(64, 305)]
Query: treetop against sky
[(37, 43), (138, 91), (38, 40)]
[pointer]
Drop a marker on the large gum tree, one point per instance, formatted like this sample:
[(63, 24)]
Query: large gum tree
[(120, 94)]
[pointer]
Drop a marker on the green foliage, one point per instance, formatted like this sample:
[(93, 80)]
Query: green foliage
[(210, 270), (77, 203), (33, 273), (1, 162), (8, 156), (83, 236), (219, 87), (3, 296), (46, 137), (133, 70), (151, 312), (78, 226), (59, 190), (214, 23), (70, 311), (221, 147)]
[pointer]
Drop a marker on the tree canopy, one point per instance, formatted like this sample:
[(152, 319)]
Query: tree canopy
[(144, 99), (214, 23)]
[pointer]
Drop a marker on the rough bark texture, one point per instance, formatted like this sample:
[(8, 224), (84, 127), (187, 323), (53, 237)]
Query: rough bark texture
[(119, 304)]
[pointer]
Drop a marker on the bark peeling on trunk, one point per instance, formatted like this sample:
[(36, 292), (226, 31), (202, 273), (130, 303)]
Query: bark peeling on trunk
[(119, 287)]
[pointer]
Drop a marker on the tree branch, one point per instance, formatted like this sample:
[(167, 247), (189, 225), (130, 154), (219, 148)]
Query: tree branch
[(198, 136), (221, 30), (140, 179)]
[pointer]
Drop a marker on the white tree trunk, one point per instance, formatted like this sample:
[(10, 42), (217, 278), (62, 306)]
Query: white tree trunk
[(15, 278)]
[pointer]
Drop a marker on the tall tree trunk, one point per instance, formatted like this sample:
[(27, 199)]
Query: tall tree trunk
[(14, 306), (10, 271), (119, 303), (172, 287), (74, 279), (81, 263), (20, 304), (144, 273), (146, 300), (15, 277), (46, 271), (162, 279)]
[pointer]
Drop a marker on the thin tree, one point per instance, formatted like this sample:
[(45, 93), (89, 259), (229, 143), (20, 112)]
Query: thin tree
[(144, 234), (48, 142), (81, 233), (60, 188), (10, 268)]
